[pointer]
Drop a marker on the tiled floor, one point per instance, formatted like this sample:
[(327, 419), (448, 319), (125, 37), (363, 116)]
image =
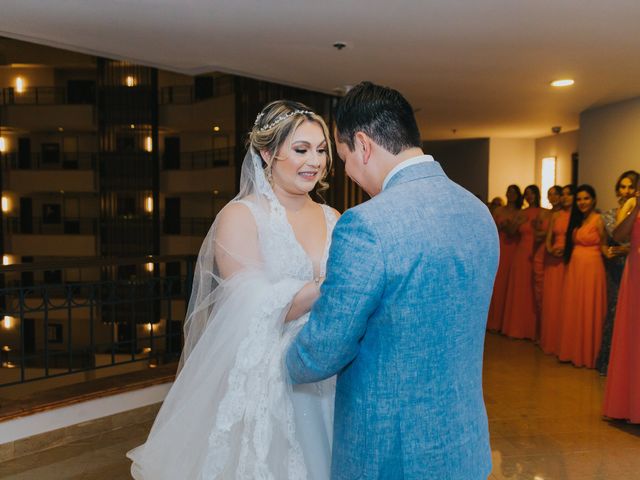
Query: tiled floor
[(544, 418)]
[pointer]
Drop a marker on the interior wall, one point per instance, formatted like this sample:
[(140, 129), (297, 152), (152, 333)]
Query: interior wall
[(466, 162), (609, 144), (511, 160), (561, 146)]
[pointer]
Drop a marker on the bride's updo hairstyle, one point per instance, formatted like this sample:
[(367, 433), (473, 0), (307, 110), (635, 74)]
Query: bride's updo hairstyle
[(273, 126)]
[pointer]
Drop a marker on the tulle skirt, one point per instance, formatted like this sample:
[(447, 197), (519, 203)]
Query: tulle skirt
[(232, 412)]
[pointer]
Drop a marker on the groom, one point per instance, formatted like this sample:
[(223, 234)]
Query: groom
[(401, 316)]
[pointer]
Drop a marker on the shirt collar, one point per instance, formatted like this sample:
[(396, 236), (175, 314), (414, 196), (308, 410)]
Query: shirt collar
[(407, 163)]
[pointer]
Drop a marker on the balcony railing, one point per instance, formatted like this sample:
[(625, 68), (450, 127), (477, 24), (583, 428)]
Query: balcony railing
[(62, 161), (219, 157), (42, 96), (197, 227), (197, 160), (56, 226), (187, 94), (125, 311)]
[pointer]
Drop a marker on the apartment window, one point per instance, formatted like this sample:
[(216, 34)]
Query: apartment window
[(203, 88), (53, 276), (81, 91), (172, 216), (50, 153), (171, 157)]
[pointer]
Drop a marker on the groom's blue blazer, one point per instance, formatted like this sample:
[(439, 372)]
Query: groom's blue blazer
[(401, 319)]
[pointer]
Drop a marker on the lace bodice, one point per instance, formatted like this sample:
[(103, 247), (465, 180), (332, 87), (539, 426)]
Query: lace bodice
[(283, 255)]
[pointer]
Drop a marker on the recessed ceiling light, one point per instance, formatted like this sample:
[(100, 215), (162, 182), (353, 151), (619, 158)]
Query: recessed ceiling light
[(565, 82), (216, 128)]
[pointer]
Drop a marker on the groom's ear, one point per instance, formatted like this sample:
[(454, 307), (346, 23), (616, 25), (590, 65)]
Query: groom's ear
[(363, 144)]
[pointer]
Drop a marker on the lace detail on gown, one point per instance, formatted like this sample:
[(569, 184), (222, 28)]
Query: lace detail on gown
[(232, 412), (256, 381)]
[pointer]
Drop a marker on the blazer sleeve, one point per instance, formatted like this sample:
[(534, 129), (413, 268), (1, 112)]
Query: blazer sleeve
[(350, 294)]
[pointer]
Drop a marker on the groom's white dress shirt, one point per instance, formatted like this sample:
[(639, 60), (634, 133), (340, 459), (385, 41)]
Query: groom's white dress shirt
[(407, 163)]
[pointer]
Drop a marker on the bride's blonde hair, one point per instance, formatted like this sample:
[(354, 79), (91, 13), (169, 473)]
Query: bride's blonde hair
[(276, 122)]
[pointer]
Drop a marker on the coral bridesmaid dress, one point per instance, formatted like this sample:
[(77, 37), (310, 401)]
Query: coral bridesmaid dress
[(584, 303), (552, 288), (622, 392), (538, 269), (507, 249), (520, 319)]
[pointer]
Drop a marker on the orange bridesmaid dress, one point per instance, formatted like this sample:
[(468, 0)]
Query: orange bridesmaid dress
[(538, 269), (552, 288), (520, 319), (584, 298), (622, 392), (507, 249)]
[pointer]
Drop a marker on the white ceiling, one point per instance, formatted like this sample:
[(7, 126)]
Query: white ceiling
[(482, 68)]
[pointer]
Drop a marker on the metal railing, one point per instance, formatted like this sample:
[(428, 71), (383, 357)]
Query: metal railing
[(38, 161), (124, 311), (197, 227), (40, 96), (197, 160), (55, 226), (216, 158), (188, 94)]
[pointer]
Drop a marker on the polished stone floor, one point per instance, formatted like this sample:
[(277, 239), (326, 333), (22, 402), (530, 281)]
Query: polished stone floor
[(544, 416)]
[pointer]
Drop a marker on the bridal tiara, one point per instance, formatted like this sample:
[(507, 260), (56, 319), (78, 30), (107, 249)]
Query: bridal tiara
[(280, 118)]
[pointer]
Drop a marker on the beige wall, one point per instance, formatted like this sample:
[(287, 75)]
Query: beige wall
[(30, 181), (50, 117), (609, 145), (561, 146), (33, 77), (53, 245), (511, 160)]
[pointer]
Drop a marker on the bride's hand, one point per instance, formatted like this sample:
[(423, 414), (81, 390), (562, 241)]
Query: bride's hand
[(304, 299)]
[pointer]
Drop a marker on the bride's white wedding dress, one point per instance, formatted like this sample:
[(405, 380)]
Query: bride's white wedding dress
[(232, 412)]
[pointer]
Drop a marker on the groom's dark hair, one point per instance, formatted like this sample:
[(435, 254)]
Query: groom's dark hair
[(380, 112)]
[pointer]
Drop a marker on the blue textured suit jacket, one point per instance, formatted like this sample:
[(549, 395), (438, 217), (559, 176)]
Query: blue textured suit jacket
[(401, 319)]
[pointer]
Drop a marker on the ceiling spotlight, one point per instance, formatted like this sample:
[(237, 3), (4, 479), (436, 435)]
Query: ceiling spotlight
[(565, 82), (216, 128)]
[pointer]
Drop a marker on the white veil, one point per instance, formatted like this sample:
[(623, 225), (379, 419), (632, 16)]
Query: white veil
[(229, 412), (207, 281)]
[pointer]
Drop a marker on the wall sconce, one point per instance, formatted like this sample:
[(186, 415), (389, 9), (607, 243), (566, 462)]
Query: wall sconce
[(548, 178), (20, 85), (3, 144), (149, 267), (149, 327), (130, 81), (148, 144), (6, 260), (148, 204), (7, 322), (6, 204)]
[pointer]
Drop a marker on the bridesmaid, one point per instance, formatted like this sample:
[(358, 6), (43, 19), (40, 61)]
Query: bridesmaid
[(584, 294), (541, 227), (554, 274), (520, 319), (614, 264), (622, 391), (504, 218)]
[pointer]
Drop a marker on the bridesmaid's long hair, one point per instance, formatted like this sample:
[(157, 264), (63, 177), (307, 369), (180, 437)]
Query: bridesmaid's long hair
[(576, 219)]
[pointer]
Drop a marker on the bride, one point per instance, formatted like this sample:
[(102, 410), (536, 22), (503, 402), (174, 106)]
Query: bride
[(232, 412)]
